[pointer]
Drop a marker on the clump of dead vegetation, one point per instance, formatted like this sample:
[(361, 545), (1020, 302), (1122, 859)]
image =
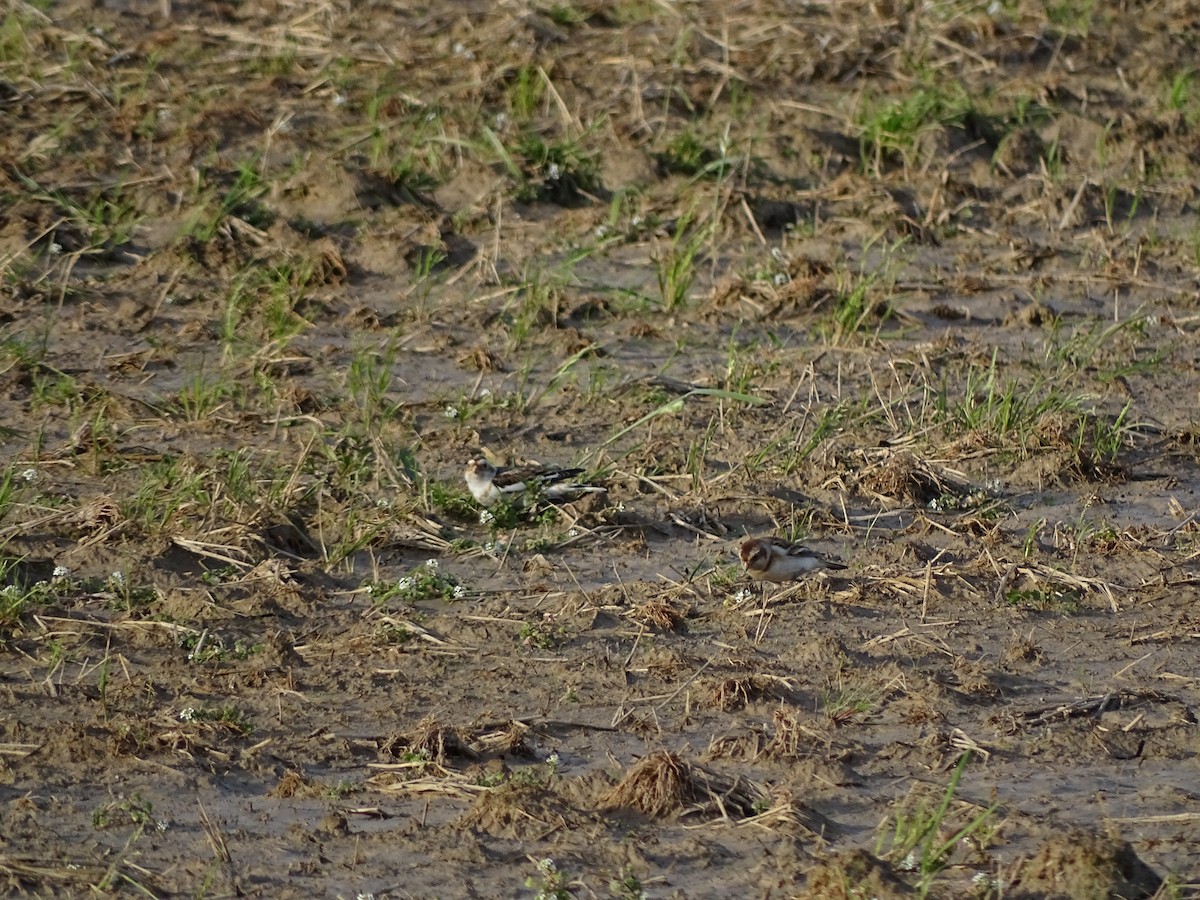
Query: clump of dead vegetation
[(430, 740), (1083, 864), (664, 785)]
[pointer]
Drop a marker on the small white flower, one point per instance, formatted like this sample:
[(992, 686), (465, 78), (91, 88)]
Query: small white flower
[(635, 221), (459, 592), (383, 503), (486, 392), (117, 578), (489, 547), (339, 99), (61, 572), (776, 254), (160, 824), (780, 278), (451, 412), (500, 121), (602, 231), (55, 248), (29, 475), (486, 517), (553, 760), (574, 532), (431, 564), (187, 714), (404, 583), (910, 862), (553, 172), (460, 49)]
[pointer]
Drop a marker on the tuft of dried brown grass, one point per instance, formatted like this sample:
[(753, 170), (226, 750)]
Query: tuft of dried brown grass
[(663, 785), (659, 612), (432, 740)]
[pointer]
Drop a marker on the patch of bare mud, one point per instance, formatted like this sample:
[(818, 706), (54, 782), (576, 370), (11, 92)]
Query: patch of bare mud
[(916, 285)]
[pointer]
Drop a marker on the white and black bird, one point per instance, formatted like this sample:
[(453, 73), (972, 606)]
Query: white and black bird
[(489, 483), (774, 559)]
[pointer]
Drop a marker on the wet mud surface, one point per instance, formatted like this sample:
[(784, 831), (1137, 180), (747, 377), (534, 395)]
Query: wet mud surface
[(915, 284)]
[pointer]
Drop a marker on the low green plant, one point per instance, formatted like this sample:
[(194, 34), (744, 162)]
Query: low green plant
[(563, 170), (226, 715), (345, 788), (170, 489), (18, 596), (1179, 90), (124, 595), (917, 841), (202, 396), (891, 129), (423, 582), (675, 260), (1044, 598), (1005, 410), (104, 219), (134, 810), (369, 380), (525, 93), (686, 154), (550, 882), (205, 647), (1072, 16), (240, 198), (627, 886), (544, 634), (845, 703), (852, 303)]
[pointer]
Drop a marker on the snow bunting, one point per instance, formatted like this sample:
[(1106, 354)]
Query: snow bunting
[(773, 559), (489, 483)]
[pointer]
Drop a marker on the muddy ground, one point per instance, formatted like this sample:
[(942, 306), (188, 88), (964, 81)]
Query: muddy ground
[(915, 283)]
